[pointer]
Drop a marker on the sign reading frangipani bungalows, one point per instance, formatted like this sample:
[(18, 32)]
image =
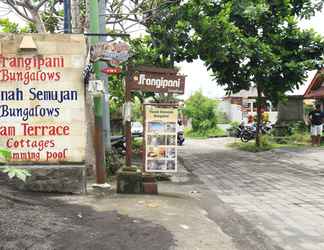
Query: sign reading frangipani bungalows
[(42, 97)]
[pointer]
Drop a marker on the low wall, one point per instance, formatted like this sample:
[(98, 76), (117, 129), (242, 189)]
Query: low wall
[(53, 178)]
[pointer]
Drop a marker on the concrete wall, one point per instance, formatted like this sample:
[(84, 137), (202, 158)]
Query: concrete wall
[(232, 111), (292, 110)]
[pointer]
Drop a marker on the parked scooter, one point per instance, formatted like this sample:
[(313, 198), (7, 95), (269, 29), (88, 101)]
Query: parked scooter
[(119, 143), (249, 132)]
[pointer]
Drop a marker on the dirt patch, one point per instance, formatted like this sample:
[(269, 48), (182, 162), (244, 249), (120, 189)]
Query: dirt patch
[(57, 225)]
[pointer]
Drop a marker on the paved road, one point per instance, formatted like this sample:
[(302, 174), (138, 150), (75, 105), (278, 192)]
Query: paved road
[(280, 193)]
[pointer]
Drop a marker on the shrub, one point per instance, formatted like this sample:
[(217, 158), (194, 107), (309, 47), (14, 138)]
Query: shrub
[(114, 161), (137, 144), (202, 111)]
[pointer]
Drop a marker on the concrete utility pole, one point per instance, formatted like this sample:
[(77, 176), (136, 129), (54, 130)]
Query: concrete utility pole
[(104, 78), (75, 16), (98, 99)]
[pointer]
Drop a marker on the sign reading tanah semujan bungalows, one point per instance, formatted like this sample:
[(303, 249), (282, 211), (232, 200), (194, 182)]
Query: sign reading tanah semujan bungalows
[(42, 98), (151, 79)]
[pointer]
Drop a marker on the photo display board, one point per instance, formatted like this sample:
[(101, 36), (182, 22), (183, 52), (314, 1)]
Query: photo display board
[(42, 114), (160, 139)]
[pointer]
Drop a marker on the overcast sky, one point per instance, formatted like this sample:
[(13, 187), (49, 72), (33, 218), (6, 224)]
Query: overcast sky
[(197, 75)]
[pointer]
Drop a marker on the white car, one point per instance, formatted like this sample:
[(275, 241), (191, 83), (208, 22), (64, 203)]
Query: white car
[(137, 128)]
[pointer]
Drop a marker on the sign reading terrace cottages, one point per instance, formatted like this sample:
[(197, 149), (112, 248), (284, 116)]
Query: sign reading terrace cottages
[(42, 98), (151, 79)]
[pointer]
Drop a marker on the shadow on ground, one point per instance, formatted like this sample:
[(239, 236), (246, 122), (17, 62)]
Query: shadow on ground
[(51, 224)]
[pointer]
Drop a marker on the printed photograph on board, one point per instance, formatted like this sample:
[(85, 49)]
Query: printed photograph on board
[(156, 140), (171, 140), (156, 127), (170, 127), (155, 164), (156, 152), (162, 152), (171, 153), (171, 165), (153, 152)]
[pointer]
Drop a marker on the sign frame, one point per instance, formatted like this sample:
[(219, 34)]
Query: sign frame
[(158, 80), (166, 147)]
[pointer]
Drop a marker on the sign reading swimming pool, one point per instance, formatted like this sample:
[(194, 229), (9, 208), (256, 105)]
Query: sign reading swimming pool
[(42, 98)]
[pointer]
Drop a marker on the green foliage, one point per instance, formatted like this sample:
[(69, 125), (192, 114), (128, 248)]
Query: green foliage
[(265, 144), (137, 144), (18, 173), (5, 154), (114, 161), (137, 112), (213, 132), (143, 53), (51, 20), (202, 111), (244, 43), (7, 26), (13, 172)]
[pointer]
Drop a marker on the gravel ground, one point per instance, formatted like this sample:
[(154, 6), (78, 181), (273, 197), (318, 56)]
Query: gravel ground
[(34, 221)]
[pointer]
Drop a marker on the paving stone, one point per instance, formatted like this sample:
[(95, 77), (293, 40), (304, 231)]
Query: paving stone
[(281, 192)]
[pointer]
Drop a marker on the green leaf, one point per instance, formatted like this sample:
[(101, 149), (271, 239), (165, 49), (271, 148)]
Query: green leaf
[(6, 154), (19, 173)]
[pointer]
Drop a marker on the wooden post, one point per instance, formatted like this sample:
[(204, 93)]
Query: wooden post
[(101, 174), (144, 138)]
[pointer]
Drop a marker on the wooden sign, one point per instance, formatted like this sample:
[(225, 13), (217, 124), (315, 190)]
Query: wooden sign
[(113, 52), (111, 71), (42, 114), (151, 79)]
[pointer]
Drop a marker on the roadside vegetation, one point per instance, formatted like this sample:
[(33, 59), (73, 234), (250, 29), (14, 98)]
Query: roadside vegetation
[(204, 117), (294, 135)]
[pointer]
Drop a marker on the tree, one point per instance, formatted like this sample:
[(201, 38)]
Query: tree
[(31, 11), (202, 111), (129, 16), (244, 43)]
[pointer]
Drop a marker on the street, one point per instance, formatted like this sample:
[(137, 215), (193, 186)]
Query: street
[(280, 193), (220, 199)]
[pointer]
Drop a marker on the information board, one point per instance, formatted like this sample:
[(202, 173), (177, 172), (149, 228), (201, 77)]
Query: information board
[(160, 139), (42, 116)]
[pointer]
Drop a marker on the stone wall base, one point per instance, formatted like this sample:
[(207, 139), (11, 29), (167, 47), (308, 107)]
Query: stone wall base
[(53, 178)]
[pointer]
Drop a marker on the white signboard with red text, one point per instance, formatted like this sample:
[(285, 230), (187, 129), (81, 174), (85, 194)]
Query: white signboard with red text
[(42, 99)]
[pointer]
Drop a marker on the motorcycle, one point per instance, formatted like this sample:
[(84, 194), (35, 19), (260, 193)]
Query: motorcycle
[(119, 143), (249, 132)]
